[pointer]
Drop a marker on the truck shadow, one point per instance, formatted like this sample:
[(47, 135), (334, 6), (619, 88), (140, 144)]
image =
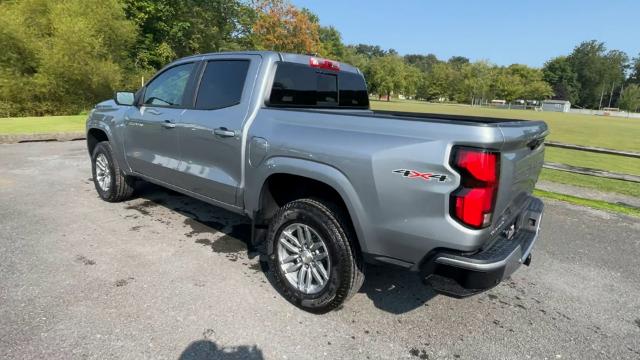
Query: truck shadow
[(208, 350), (392, 290)]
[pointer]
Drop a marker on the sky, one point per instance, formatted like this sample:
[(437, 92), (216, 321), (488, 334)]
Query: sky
[(501, 31)]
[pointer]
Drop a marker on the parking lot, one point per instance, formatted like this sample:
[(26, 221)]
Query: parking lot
[(164, 276)]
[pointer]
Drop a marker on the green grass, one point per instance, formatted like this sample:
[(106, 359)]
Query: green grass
[(591, 182), (594, 204), (619, 164), (602, 131), (42, 125)]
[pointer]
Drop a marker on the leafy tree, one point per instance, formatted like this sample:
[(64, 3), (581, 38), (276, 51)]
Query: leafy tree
[(331, 45), (369, 51), (634, 77), (172, 29), (412, 79), (630, 99), (280, 26), (458, 61), (596, 71), (72, 57), (477, 83), (563, 80), (437, 83), (386, 75), (331, 42), (423, 62)]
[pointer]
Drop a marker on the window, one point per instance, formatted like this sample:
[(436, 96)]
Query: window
[(301, 85), (353, 90), (221, 84), (167, 89)]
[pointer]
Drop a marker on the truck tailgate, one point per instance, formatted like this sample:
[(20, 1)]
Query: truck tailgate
[(522, 157)]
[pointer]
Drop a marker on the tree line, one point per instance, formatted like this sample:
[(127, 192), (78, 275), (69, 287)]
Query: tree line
[(61, 57)]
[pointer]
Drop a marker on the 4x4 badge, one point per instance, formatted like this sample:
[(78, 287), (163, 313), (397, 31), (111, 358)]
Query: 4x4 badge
[(421, 175)]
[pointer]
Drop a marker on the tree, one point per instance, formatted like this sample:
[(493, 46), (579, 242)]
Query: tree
[(533, 85), (634, 77), (458, 61), (423, 62), (59, 58), (331, 45), (630, 99), (412, 79), (477, 83), (596, 70), (172, 29), (369, 51), (437, 83), (386, 75), (280, 26), (563, 80)]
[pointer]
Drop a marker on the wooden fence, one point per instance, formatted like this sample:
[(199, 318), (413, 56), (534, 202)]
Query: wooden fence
[(589, 171)]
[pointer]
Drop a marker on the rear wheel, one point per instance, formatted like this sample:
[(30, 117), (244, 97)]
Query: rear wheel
[(110, 182), (312, 257)]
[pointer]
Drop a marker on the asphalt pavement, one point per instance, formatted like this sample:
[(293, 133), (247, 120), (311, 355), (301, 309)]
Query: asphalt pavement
[(164, 276)]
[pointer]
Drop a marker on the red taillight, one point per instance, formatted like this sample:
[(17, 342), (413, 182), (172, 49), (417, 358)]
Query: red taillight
[(473, 202), (324, 64)]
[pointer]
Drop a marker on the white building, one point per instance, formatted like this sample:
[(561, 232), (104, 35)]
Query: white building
[(556, 105)]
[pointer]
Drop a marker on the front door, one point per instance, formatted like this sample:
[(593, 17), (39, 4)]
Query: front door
[(211, 134), (151, 140)]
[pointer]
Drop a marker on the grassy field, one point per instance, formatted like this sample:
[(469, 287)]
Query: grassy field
[(594, 204), (42, 125)]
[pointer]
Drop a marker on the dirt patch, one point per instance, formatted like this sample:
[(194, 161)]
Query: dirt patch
[(123, 282), (259, 267), (83, 260), (228, 245), (224, 245), (199, 226), (420, 354), (143, 207)]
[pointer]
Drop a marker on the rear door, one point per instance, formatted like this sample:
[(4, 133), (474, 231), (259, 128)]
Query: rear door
[(211, 132), (151, 140)]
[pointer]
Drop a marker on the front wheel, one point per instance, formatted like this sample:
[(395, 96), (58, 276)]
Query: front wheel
[(312, 256), (110, 182)]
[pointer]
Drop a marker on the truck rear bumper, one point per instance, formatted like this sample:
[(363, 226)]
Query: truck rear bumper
[(459, 275)]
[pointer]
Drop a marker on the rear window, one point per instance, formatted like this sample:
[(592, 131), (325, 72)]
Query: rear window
[(301, 85)]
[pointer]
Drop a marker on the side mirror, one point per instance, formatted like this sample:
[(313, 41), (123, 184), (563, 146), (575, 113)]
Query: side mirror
[(124, 98)]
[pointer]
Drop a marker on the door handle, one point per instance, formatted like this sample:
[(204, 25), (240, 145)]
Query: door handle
[(168, 124), (224, 132)]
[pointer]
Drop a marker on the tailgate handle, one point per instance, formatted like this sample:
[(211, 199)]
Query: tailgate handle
[(534, 143)]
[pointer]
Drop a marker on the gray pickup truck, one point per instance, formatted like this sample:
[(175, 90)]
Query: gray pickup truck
[(289, 141)]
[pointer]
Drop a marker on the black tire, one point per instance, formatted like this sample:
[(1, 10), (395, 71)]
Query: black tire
[(121, 186), (346, 275)]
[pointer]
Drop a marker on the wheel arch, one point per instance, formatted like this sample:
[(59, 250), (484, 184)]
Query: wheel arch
[(291, 178), (94, 136)]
